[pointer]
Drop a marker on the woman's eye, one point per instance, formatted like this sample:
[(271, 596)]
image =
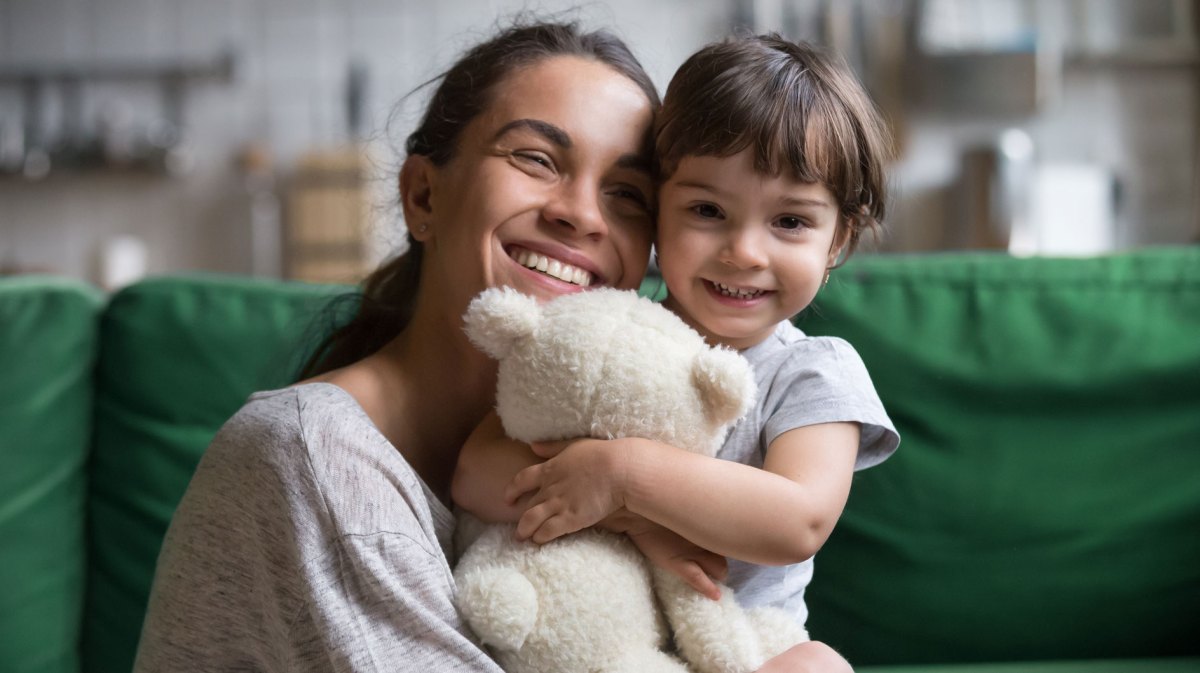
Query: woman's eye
[(537, 158), (706, 210), (631, 194)]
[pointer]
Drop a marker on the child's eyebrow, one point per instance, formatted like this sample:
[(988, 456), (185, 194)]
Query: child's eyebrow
[(543, 128), (786, 200), (692, 184), (816, 203)]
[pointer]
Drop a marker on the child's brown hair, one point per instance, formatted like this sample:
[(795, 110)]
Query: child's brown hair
[(799, 108)]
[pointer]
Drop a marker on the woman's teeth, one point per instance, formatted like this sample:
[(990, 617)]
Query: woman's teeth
[(553, 267), (737, 292)]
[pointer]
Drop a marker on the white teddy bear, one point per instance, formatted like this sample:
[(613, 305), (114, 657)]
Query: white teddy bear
[(606, 364)]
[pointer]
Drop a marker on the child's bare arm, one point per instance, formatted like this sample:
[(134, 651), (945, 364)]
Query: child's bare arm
[(486, 464), (780, 514)]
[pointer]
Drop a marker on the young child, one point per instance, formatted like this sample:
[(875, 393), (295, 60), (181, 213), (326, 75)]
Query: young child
[(771, 165)]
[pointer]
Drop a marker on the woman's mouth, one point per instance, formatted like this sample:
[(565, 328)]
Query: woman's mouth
[(551, 267)]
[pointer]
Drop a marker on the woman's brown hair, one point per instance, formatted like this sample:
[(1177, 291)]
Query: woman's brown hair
[(386, 299), (799, 108)]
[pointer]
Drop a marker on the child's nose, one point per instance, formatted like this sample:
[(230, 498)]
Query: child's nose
[(744, 249)]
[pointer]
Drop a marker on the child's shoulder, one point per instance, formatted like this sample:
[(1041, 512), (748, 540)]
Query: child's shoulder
[(789, 342)]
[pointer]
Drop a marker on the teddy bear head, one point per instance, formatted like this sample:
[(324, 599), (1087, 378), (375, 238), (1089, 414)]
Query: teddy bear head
[(607, 363)]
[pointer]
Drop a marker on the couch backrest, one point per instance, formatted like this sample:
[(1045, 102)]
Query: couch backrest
[(1045, 500), (178, 356), (47, 348)]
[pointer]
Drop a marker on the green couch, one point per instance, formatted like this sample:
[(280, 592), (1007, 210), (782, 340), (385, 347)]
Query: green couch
[(1042, 514)]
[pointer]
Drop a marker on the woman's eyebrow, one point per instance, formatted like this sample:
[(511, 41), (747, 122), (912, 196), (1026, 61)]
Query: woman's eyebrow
[(545, 129), (637, 162)]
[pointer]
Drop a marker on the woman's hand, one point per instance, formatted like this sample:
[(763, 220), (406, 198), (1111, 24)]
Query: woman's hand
[(810, 657), (699, 568), (578, 487)]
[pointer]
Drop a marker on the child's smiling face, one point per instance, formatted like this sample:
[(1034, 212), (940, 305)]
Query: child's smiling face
[(739, 250)]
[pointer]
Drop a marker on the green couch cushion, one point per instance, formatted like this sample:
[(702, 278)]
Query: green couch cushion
[(1045, 501), (178, 357), (1157, 665), (47, 351)]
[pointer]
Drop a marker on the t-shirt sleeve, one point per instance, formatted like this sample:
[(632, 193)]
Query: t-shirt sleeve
[(823, 380), (382, 603), (272, 566)]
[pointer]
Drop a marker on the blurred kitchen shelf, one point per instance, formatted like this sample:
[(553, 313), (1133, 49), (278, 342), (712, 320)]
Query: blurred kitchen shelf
[(1146, 57), (326, 216)]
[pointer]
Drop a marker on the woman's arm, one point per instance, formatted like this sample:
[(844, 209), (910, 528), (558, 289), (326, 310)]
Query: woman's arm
[(486, 464), (780, 514)]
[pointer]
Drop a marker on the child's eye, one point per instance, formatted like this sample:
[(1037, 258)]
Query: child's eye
[(791, 223), (707, 210)]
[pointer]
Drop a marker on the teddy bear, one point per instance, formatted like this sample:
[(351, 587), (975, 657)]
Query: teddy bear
[(604, 363)]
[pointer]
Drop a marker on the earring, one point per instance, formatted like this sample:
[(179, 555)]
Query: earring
[(423, 228), (826, 281)]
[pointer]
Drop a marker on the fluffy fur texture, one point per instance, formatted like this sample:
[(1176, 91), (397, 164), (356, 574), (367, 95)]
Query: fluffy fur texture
[(605, 364)]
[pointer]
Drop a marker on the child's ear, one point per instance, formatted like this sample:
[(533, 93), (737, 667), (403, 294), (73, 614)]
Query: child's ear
[(417, 177), (841, 237), (500, 317)]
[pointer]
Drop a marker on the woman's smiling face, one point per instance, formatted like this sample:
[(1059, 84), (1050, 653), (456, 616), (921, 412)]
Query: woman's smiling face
[(549, 189)]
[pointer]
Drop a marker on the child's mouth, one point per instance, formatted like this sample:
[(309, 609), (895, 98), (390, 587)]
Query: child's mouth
[(733, 292)]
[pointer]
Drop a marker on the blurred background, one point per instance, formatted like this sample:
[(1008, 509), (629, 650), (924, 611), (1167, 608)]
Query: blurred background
[(262, 136)]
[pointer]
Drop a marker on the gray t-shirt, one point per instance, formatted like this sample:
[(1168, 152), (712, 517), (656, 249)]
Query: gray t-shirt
[(802, 381), (305, 542)]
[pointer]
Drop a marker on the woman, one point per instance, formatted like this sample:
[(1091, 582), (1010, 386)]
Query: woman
[(315, 532)]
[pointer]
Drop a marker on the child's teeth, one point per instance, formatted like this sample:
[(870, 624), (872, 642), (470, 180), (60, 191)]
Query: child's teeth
[(736, 293)]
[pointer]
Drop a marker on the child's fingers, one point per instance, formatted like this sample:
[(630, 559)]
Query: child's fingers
[(531, 521), (528, 479), (553, 528)]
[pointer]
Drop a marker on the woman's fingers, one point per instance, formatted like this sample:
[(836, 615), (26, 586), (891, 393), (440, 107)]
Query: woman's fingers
[(695, 577), (714, 566)]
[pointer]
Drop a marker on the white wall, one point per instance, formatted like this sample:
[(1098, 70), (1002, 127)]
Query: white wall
[(287, 94)]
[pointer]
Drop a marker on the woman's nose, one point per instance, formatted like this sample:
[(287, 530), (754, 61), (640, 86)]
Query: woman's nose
[(576, 204), (743, 249)]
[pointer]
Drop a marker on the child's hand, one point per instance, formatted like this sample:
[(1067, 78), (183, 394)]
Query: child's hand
[(577, 488), (671, 552)]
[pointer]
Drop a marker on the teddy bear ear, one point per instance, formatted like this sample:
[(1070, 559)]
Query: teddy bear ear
[(498, 318), (725, 382)]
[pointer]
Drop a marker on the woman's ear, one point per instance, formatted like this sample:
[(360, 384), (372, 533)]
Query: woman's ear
[(417, 177)]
